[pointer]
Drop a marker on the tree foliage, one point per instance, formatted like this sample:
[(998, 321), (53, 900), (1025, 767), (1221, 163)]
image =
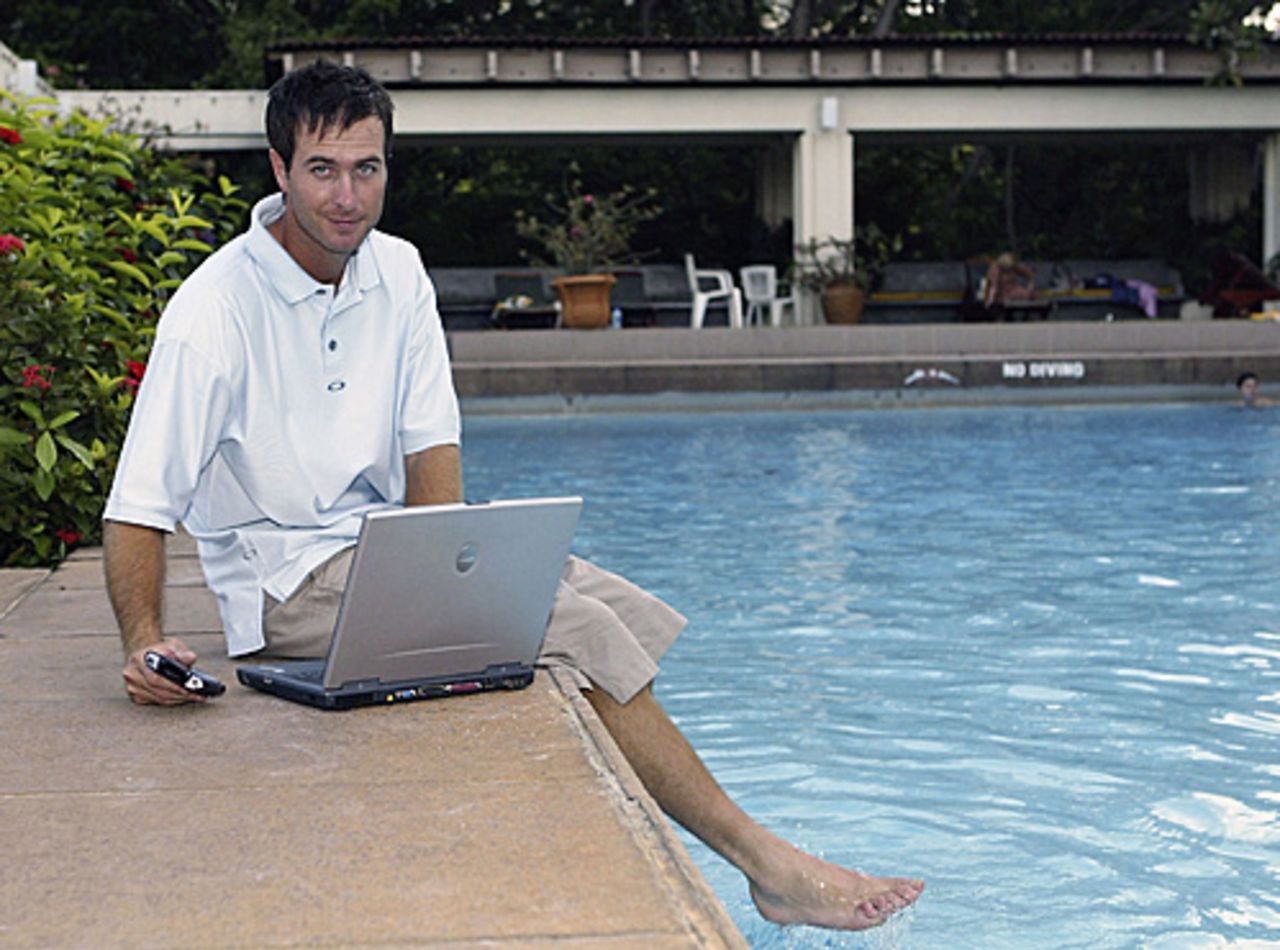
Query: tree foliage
[(459, 205), (99, 232), (166, 44), (1018, 16), (1095, 201)]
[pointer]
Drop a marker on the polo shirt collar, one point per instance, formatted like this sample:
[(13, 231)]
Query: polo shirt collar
[(287, 276)]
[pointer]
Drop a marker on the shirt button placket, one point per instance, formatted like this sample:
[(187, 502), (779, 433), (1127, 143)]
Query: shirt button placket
[(331, 349)]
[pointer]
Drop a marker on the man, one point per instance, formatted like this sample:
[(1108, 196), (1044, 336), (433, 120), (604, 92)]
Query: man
[(1009, 281), (299, 379), (1247, 383)]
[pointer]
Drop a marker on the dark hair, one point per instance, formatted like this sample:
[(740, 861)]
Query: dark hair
[(1244, 377), (322, 95)]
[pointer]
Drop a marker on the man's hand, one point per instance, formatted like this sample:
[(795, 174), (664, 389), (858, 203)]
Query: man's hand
[(147, 688)]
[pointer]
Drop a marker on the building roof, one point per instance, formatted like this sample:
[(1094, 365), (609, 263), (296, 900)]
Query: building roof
[(1126, 58), (742, 42)]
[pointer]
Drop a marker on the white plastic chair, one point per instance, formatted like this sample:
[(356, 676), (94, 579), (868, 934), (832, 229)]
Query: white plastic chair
[(760, 287), (723, 290)]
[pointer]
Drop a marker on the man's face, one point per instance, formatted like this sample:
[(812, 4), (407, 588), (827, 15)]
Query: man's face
[(335, 189), (1249, 389)]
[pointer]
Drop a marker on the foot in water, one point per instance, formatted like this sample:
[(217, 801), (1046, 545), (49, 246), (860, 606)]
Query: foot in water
[(808, 890)]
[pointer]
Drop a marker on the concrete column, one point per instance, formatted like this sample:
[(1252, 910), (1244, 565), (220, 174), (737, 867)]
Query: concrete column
[(28, 76), (823, 185), (1270, 198), (21, 76), (852, 156)]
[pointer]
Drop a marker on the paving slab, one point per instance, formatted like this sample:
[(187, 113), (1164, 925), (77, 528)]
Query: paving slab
[(498, 820), (87, 573), (16, 584), (275, 744), (49, 611), (360, 863)]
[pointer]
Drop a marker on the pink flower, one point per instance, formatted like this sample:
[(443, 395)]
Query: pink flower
[(9, 135), (69, 536), (9, 242), (33, 376), (588, 199)]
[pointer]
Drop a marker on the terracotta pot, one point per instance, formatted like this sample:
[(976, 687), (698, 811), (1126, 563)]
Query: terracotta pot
[(842, 303), (584, 300)]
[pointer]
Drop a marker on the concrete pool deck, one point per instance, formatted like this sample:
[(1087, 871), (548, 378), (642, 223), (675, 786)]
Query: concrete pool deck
[(874, 365), (498, 820)]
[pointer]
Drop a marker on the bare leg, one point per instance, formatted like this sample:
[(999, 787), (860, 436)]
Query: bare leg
[(788, 885)]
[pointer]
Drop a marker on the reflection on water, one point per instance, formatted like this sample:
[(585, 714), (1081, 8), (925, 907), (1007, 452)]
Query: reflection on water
[(1028, 655)]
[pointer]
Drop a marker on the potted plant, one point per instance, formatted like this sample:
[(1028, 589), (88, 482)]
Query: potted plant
[(586, 236), (843, 271)]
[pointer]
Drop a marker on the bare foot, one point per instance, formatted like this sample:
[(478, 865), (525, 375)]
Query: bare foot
[(804, 889)]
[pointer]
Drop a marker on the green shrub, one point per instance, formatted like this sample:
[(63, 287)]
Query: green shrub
[(589, 233), (96, 231)]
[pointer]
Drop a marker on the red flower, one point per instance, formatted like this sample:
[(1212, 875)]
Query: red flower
[(69, 536), (33, 376), (10, 135), (9, 242), (127, 254), (124, 184), (134, 379)]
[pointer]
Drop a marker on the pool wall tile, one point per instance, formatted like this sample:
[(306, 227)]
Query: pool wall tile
[(565, 364), (796, 376)]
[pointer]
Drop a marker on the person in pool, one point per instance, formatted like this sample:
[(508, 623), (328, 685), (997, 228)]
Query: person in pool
[(1247, 383), (299, 379)]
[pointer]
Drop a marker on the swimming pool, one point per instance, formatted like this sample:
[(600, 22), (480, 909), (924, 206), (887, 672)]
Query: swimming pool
[(1031, 655)]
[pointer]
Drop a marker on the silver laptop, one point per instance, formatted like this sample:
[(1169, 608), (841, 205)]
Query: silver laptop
[(440, 601)]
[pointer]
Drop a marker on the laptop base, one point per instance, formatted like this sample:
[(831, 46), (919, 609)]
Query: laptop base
[(290, 680)]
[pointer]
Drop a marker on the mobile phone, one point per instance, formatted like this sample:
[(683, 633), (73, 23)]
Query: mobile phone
[(189, 678)]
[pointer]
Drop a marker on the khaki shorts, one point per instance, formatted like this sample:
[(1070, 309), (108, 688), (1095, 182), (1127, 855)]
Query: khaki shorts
[(603, 629)]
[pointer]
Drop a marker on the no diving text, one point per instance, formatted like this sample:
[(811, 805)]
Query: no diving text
[(1053, 369)]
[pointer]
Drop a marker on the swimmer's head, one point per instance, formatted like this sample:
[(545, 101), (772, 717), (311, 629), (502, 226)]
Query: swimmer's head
[(1247, 383)]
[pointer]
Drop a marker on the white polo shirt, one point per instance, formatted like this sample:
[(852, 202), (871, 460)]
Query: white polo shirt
[(275, 412)]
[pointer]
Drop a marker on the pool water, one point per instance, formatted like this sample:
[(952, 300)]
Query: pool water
[(1030, 655)]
